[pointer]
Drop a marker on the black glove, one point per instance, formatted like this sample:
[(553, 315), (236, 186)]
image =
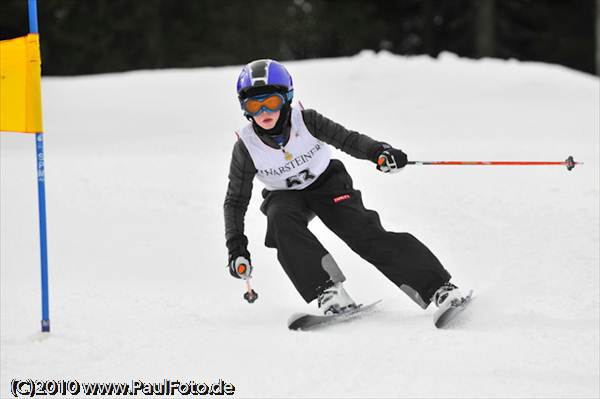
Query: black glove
[(240, 266), (391, 160)]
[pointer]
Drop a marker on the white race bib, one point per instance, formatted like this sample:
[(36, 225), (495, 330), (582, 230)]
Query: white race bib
[(307, 157)]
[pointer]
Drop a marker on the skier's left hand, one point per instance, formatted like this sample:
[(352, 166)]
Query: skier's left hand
[(391, 160)]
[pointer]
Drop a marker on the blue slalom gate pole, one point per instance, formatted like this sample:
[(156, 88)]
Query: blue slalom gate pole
[(39, 156), (39, 138)]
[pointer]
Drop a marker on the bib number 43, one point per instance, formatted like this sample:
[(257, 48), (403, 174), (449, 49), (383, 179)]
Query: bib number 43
[(301, 177)]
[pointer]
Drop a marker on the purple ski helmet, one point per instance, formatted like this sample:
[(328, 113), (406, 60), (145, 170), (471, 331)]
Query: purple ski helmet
[(264, 76)]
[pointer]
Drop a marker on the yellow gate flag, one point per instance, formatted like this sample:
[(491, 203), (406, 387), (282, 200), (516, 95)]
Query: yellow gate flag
[(20, 85)]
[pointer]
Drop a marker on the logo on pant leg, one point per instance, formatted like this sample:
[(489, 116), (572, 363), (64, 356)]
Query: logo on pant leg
[(341, 198)]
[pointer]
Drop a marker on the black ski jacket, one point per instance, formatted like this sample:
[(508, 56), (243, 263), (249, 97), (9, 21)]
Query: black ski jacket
[(242, 171)]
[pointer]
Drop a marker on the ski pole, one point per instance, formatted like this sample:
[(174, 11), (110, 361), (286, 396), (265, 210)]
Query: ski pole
[(250, 295), (569, 163)]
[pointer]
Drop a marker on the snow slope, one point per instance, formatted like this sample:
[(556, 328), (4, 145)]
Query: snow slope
[(137, 169)]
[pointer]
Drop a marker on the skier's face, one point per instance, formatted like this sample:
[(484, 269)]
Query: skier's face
[(267, 120)]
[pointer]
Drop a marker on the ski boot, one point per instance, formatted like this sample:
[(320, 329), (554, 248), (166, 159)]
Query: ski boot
[(449, 301), (335, 300)]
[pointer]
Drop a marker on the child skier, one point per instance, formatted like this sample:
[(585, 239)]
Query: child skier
[(287, 149)]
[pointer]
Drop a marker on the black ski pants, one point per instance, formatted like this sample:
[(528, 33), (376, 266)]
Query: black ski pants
[(402, 258)]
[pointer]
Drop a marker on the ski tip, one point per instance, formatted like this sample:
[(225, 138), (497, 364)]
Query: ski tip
[(295, 321)]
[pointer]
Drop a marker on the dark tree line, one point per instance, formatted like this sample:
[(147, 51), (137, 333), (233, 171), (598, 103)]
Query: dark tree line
[(96, 36)]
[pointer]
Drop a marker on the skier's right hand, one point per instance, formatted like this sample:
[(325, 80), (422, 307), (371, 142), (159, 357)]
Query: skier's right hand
[(240, 267)]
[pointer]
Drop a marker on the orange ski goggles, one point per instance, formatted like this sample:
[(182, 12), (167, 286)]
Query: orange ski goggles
[(271, 102)]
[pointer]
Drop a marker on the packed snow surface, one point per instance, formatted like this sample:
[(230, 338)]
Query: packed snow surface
[(136, 173)]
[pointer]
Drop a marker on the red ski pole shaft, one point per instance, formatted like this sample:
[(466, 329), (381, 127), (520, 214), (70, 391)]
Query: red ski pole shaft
[(569, 163)]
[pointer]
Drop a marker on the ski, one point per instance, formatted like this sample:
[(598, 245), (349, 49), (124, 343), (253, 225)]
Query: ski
[(308, 321)]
